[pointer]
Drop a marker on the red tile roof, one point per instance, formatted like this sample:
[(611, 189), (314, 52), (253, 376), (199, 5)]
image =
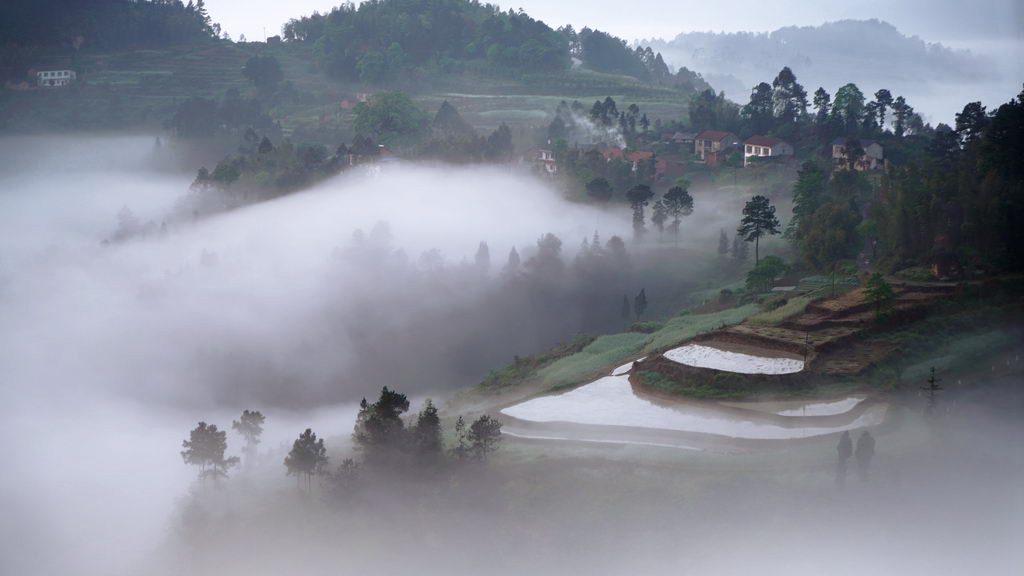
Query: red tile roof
[(639, 155), (613, 153)]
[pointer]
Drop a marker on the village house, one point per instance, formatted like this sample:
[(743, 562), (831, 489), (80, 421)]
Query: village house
[(55, 78), (871, 159), (638, 156), (712, 146), (764, 147), (544, 160)]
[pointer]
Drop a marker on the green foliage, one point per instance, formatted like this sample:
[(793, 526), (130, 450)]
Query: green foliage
[(603, 52), (808, 195), (250, 426), (762, 276), (723, 385), (427, 433), (604, 352), (758, 220), (522, 369), (678, 203), (639, 196), (831, 235), (205, 448), (307, 457), (379, 425), (386, 40), (957, 206), (708, 111), (640, 303), (105, 25), (792, 307), (264, 72), (600, 189), (848, 107), (682, 328), (879, 293), (390, 118), (484, 436)]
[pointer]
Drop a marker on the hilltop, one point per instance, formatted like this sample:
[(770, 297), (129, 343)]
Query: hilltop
[(485, 60)]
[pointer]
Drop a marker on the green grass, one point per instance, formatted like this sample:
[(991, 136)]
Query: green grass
[(606, 352), (523, 369), (791, 308), (689, 325)]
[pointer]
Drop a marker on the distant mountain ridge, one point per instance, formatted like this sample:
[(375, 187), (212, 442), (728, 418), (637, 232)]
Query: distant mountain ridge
[(870, 52)]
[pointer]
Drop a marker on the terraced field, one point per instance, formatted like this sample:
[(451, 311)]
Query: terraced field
[(828, 333)]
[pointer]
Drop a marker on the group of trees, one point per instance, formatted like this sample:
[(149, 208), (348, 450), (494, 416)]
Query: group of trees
[(384, 41), (266, 165), (826, 226), (959, 204), (199, 117), (785, 109), (381, 436), (206, 445), (672, 207), (105, 25), (385, 440)]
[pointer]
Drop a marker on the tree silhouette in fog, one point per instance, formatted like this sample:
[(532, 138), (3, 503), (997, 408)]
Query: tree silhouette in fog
[(250, 426), (639, 196), (427, 433), (678, 203), (379, 432), (484, 435), (205, 448), (640, 303), (758, 221), (863, 453), (307, 457)]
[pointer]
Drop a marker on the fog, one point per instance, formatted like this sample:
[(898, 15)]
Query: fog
[(111, 352), (936, 76)]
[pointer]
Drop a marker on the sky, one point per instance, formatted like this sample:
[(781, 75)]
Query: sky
[(945, 21)]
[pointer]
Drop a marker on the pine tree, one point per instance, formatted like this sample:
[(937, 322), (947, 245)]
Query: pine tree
[(640, 303), (205, 448), (723, 242), (659, 213), (879, 293), (250, 426), (678, 203), (758, 220), (483, 258), (428, 431), (307, 457), (484, 436)]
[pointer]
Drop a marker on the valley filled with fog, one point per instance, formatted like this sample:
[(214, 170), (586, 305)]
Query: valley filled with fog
[(125, 321)]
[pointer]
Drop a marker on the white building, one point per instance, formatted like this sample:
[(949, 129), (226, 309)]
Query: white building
[(764, 147), (53, 78)]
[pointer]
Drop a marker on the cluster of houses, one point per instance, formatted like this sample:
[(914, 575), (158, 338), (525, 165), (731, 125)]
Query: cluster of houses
[(713, 147)]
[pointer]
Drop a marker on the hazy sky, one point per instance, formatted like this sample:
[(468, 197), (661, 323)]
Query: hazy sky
[(947, 21)]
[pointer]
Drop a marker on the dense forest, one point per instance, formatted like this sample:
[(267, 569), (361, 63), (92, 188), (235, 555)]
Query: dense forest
[(385, 40), (106, 24), (26, 27)]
